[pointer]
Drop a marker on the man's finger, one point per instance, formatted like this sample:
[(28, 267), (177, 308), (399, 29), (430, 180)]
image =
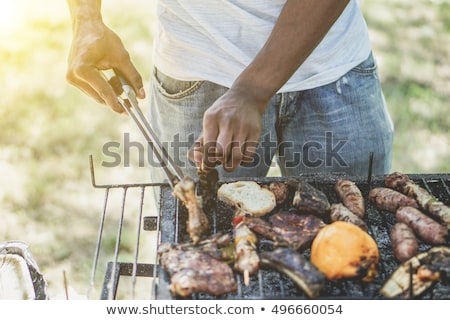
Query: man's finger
[(132, 76)]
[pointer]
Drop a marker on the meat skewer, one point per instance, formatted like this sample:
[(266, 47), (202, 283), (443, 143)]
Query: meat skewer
[(427, 202), (351, 196), (245, 254)]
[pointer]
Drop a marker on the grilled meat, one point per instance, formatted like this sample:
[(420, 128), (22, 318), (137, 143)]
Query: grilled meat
[(390, 199), (197, 223), (246, 257), (195, 269), (426, 201), (351, 196), (265, 229), (404, 242), (424, 227), (280, 190), (399, 283), (339, 212), (298, 230), (308, 199), (293, 264)]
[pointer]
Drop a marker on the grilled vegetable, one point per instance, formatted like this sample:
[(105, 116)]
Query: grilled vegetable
[(291, 263), (351, 196), (342, 250), (426, 201), (339, 212), (390, 199), (308, 199), (197, 223), (404, 242), (399, 283), (424, 227)]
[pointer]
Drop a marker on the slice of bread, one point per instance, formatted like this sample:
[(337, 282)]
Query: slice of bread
[(248, 196)]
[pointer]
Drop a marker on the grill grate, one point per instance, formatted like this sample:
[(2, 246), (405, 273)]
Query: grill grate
[(169, 224)]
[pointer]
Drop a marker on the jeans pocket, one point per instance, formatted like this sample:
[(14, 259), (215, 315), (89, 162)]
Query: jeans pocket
[(173, 88), (368, 66)]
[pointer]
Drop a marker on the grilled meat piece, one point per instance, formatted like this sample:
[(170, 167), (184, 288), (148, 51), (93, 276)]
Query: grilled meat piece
[(351, 196), (310, 200), (197, 223), (426, 201), (399, 282), (298, 230), (293, 264), (280, 190), (265, 229), (404, 242), (246, 257), (424, 227), (390, 199), (339, 212), (198, 268)]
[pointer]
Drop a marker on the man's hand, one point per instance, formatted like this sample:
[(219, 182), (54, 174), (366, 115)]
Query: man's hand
[(231, 131), (94, 48)]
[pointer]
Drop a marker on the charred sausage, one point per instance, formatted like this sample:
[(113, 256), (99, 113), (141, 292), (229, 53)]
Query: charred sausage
[(390, 200), (424, 227), (404, 242), (350, 196), (339, 212)]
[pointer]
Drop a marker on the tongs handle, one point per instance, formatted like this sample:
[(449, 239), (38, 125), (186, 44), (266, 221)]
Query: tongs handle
[(129, 102)]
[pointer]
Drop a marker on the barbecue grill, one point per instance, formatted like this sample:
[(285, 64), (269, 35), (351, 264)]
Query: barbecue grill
[(169, 224)]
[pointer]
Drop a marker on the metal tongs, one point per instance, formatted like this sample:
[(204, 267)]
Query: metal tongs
[(127, 98)]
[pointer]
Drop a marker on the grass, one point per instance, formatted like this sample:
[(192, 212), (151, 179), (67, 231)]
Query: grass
[(49, 128)]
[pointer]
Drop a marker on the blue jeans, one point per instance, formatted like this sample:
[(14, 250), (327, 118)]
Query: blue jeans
[(332, 128)]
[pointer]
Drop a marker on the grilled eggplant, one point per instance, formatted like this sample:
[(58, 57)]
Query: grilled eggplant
[(293, 264), (412, 272), (308, 199)]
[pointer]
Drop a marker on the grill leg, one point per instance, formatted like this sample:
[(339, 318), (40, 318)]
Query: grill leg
[(111, 280)]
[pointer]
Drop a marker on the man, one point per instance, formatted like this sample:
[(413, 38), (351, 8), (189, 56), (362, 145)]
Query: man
[(243, 81)]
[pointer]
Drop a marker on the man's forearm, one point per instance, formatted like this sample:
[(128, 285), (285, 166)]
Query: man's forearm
[(300, 27), (85, 10)]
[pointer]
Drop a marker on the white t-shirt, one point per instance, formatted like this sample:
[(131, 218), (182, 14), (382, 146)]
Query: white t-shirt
[(215, 40)]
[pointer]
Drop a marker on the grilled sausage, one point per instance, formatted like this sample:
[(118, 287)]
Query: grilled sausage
[(424, 227), (390, 200), (427, 202), (339, 212), (350, 196), (404, 242)]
